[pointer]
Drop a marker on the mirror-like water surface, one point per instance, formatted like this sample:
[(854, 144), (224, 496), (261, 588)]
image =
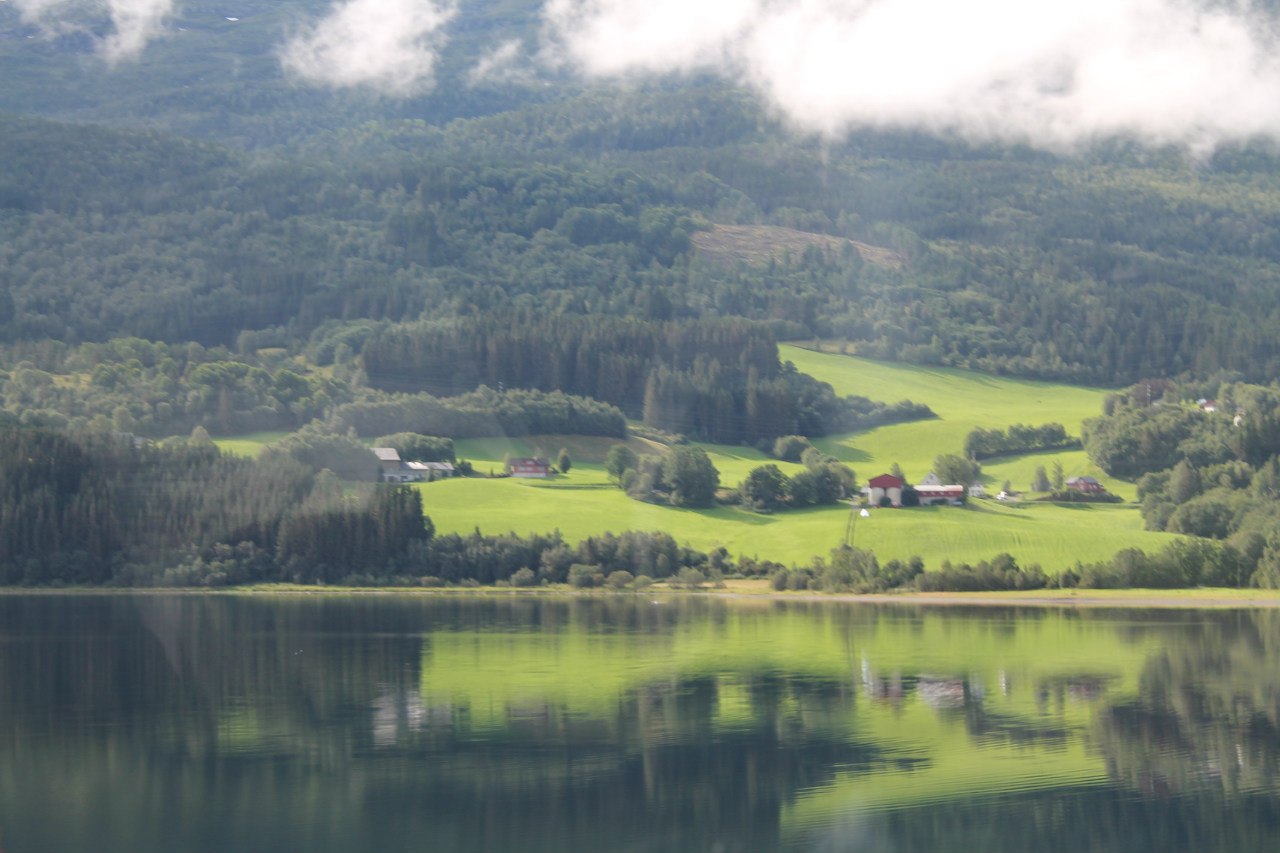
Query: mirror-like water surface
[(212, 723)]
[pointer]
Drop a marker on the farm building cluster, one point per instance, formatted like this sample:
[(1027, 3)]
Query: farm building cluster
[(890, 490), (393, 469)]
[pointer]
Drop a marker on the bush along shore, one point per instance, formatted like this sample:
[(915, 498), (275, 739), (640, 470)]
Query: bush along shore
[(635, 560)]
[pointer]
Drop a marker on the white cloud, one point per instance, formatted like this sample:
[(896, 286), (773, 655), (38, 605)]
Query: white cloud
[(387, 45), (1052, 73), (134, 22), (618, 36)]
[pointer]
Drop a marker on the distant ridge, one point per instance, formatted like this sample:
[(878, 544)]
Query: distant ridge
[(758, 244)]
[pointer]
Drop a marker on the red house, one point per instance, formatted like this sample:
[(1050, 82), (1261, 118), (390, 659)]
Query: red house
[(1087, 485), (529, 467)]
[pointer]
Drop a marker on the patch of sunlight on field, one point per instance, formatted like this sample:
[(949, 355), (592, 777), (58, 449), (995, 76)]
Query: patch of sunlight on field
[(249, 444), (1054, 535), (579, 506), (582, 505), (962, 397), (963, 400)]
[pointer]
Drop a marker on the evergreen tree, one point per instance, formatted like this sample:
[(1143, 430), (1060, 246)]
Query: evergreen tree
[(1184, 482)]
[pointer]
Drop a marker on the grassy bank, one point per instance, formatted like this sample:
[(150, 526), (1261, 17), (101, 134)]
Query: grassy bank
[(744, 591)]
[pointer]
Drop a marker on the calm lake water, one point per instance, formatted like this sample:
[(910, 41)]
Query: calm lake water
[(223, 723)]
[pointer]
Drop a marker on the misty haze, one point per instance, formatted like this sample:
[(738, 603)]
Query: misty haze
[(741, 425)]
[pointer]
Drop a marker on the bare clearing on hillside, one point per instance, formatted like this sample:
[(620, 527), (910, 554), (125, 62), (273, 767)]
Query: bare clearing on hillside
[(758, 244)]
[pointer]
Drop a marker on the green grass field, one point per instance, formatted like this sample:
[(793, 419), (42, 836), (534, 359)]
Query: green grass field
[(1054, 535), (963, 401), (584, 502)]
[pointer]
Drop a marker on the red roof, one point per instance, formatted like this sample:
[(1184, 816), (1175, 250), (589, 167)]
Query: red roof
[(885, 481)]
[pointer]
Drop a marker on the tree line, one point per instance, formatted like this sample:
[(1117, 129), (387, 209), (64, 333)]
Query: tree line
[(716, 380), (1018, 439), (480, 413)]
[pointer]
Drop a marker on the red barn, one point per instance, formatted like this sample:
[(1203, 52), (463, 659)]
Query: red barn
[(886, 485)]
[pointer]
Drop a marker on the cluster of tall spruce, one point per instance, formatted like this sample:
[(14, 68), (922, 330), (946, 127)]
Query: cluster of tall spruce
[(712, 379), (104, 508)]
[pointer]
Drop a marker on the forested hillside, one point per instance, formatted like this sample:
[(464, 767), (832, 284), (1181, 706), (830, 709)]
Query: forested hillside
[(1103, 268)]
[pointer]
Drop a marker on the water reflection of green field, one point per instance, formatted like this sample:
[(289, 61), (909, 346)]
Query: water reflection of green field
[(955, 707)]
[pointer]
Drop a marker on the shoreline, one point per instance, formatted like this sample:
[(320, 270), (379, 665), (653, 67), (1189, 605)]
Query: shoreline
[(1190, 599)]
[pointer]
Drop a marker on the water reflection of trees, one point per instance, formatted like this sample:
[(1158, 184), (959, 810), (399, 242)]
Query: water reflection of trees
[(1208, 712), (244, 724), (1069, 821), (1195, 753)]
